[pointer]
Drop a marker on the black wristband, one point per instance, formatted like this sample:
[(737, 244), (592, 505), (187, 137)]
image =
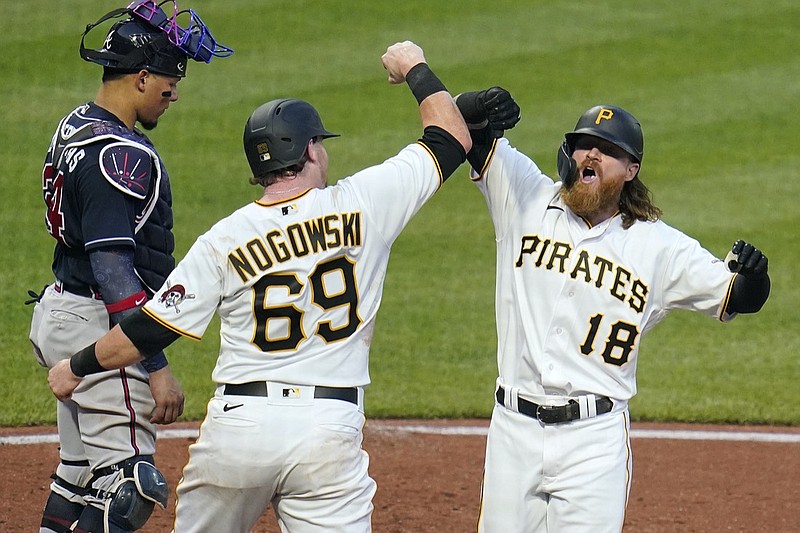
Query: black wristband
[(423, 82), (85, 362)]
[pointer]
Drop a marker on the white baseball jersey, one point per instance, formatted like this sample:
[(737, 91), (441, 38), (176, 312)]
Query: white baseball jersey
[(574, 301), (572, 304), (297, 284)]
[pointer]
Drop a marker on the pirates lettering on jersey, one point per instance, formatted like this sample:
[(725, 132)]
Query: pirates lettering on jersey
[(341, 230), (600, 272)]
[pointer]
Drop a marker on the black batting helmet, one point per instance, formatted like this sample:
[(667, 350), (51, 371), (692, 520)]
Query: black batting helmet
[(132, 45), (277, 133), (613, 124), (608, 122)]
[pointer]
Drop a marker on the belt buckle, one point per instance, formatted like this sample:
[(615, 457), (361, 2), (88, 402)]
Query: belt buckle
[(544, 414)]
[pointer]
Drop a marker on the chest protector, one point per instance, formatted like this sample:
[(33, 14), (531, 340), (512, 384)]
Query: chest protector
[(151, 192)]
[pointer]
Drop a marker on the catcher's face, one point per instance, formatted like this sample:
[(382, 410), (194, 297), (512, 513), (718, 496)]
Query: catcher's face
[(157, 92)]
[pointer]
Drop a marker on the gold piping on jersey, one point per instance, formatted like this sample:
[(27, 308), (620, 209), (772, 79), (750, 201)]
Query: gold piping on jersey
[(284, 200), (435, 161), (169, 326), (590, 224), (727, 299), (628, 461), (486, 163)]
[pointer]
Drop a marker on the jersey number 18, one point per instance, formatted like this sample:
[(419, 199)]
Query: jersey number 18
[(622, 337)]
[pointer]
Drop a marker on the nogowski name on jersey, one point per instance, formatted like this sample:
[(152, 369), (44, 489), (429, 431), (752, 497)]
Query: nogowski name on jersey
[(296, 240)]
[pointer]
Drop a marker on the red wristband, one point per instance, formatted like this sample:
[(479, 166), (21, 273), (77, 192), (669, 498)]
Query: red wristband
[(131, 302)]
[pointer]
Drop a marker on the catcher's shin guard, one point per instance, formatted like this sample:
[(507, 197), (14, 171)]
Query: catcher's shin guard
[(127, 505), (134, 497)]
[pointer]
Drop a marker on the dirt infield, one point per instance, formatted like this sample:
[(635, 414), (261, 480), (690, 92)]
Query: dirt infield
[(429, 482)]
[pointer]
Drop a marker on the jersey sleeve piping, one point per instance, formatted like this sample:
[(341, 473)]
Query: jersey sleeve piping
[(116, 241), (169, 326), (435, 162), (486, 163), (724, 316)]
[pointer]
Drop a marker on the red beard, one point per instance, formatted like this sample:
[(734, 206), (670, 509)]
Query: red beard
[(586, 200)]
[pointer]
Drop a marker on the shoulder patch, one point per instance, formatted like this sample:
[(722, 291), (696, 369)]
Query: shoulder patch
[(128, 167)]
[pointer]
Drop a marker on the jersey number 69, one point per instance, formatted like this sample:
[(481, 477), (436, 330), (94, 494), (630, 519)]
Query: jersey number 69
[(348, 297)]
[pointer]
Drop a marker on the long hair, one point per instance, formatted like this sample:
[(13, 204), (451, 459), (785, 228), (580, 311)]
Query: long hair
[(636, 203)]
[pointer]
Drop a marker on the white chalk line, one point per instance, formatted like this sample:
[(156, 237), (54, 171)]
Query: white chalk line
[(674, 434), (669, 434)]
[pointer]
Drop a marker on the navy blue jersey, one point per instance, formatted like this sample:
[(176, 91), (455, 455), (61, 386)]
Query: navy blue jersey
[(105, 186)]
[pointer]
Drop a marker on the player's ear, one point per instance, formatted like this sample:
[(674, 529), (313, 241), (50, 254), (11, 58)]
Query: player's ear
[(141, 79), (311, 149), (633, 170)]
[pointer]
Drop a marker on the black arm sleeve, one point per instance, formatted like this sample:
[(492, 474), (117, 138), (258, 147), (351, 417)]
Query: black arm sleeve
[(146, 334), (748, 294), (445, 148), (116, 276)]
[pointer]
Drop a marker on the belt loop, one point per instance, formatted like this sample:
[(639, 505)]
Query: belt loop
[(511, 399), (591, 400), (588, 406)]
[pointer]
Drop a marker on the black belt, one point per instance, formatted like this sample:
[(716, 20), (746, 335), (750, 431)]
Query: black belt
[(85, 291), (554, 414), (259, 388)]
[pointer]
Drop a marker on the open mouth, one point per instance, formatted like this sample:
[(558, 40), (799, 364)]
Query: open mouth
[(588, 175)]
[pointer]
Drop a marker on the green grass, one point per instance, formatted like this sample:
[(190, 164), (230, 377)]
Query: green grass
[(713, 82)]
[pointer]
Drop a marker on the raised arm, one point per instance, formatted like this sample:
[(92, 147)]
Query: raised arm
[(405, 62)]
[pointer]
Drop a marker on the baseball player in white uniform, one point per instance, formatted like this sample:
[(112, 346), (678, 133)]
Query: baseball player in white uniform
[(296, 278), (585, 267)]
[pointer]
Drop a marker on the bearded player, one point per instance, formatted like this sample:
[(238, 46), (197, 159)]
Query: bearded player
[(585, 267)]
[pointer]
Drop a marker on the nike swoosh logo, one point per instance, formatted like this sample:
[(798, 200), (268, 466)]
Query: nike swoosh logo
[(229, 407), (137, 303)]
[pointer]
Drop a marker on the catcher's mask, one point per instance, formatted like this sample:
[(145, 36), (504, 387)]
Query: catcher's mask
[(608, 122), (277, 133), (150, 39)]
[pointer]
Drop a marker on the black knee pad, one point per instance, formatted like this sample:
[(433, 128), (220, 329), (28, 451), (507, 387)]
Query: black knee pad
[(133, 498)]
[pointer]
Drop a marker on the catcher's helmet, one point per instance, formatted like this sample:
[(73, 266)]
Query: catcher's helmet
[(132, 45), (277, 133)]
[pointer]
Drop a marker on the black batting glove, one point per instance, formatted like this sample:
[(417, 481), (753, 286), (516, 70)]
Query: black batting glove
[(502, 111), (493, 107), (752, 263), (752, 286)]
